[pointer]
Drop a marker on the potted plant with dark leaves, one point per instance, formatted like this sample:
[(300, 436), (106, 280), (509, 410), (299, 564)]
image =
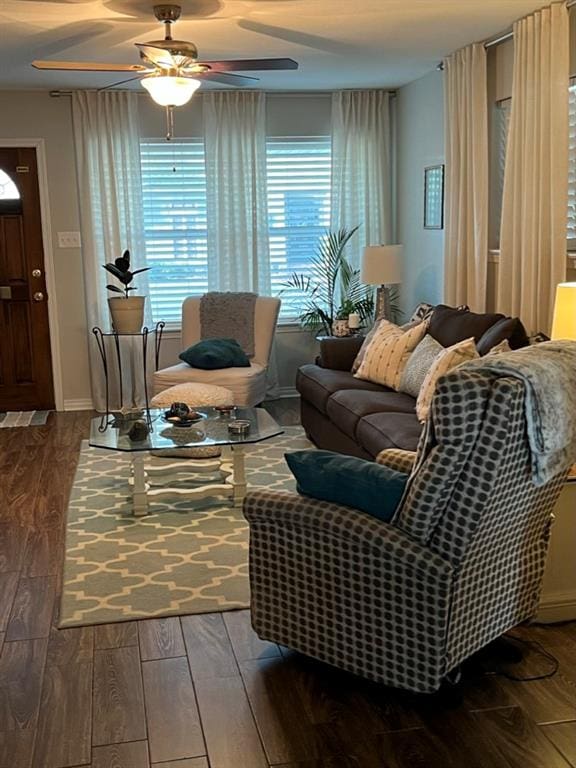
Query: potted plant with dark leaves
[(127, 311)]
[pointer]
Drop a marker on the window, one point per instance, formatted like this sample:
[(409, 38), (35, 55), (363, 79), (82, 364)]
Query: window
[(174, 197), (298, 184), (502, 125), (8, 190), (175, 216), (572, 166)]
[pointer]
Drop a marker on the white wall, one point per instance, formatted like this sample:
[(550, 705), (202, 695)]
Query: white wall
[(38, 115), (420, 137)]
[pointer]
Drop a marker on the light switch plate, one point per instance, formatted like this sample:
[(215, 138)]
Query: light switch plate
[(69, 240)]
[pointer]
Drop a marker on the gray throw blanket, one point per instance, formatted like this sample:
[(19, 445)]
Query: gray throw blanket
[(229, 316), (548, 371)]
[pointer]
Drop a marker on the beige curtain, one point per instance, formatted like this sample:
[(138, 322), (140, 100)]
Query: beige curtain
[(362, 168), (466, 119), (534, 207)]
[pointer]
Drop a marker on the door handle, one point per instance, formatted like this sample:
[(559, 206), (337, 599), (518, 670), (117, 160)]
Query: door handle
[(38, 296), (5, 293)]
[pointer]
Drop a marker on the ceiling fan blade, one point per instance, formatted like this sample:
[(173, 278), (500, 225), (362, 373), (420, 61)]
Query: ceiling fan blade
[(89, 66), (158, 56), (245, 65), (227, 79), (119, 82)]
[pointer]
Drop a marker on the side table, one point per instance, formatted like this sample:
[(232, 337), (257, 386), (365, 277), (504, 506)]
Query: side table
[(143, 335), (558, 597)]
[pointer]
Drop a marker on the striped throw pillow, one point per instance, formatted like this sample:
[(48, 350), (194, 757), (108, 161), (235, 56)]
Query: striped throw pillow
[(388, 353), (449, 358)]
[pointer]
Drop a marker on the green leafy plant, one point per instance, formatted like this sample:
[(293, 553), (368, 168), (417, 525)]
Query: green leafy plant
[(121, 271), (332, 287)]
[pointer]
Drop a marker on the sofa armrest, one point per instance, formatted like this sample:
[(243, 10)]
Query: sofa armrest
[(397, 458), (356, 529), (339, 353)]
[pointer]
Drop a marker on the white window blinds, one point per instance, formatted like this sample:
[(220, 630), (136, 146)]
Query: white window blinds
[(572, 166), (298, 184), (502, 124), (175, 216), (174, 196)]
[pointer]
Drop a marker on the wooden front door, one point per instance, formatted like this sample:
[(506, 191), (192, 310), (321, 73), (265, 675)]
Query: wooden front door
[(25, 359)]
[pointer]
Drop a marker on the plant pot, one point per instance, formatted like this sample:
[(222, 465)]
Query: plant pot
[(340, 328), (127, 314)]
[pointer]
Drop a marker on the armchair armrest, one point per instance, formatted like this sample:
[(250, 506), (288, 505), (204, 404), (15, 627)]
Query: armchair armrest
[(339, 353), (353, 528), (398, 459)]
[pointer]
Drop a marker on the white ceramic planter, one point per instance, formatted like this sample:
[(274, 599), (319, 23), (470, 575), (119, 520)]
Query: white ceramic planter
[(127, 314)]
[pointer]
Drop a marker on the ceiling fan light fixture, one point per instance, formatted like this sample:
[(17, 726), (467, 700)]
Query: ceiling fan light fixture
[(170, 91)]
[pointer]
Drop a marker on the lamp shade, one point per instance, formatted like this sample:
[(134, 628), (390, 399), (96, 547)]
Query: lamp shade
[(381, 264), (170, 91), (564, 322)]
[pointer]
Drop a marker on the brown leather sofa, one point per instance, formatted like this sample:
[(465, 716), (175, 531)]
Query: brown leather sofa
[(342, 413)]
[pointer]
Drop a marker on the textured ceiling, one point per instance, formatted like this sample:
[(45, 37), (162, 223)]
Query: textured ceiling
[(360, 43)]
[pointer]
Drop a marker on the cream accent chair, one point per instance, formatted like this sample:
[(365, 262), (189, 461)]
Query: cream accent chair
[(248, 385)]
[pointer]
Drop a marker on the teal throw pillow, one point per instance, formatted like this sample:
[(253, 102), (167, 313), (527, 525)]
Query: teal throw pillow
[(357, 483), (211, 354)]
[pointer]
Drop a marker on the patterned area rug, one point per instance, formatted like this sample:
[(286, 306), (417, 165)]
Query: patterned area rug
[(184, 557), (23, 419)]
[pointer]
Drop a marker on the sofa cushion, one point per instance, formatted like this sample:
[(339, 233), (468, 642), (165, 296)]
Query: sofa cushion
[(214, 354), (388, 353), (448, 359), (508, 329), (356, 483), (248, 385), (418, 365), (449, 326), (388, 430), (346, 407), (316, 384)]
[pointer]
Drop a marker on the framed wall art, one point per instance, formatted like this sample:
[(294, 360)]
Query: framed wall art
[(434, 197)]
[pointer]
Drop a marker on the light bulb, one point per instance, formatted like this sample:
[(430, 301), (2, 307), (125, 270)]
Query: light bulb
[(170, 91)]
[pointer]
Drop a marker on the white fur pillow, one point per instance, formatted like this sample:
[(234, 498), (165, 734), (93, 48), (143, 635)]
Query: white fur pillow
[(388, 353), (449, 358)]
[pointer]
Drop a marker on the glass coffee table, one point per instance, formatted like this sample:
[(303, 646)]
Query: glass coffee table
[(227, 472)]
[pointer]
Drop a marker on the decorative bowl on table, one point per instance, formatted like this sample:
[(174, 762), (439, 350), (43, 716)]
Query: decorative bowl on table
[(182, 420), (239, 428), (181, 415)]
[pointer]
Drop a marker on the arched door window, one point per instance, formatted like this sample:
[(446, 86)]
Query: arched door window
[(10, 201)]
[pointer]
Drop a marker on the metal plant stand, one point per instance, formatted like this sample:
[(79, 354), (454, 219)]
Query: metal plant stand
[(101, 337)]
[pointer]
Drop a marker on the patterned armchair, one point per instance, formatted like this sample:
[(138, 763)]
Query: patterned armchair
[(404, 603)]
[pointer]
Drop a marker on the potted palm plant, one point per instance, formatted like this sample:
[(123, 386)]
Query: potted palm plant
[(127, 311), (332, 289)]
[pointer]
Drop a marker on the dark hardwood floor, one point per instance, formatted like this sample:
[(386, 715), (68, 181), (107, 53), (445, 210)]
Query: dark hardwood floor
[(204, 691)]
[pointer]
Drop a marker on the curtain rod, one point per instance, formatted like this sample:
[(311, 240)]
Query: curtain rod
[(55, 94), (508, 35)]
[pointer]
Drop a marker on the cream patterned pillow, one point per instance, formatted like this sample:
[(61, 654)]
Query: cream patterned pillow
[(450, 358), (500, 349), (388, 353)]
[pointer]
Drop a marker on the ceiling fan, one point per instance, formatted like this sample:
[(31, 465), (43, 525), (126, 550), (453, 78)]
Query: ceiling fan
[(170, 70)]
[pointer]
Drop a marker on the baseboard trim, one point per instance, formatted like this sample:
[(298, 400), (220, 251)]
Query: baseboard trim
[(558, 606), (287, 392), (78, 405)]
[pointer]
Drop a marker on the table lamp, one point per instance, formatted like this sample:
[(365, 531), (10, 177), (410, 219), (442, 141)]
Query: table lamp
[(382, 266), (564, 321)]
